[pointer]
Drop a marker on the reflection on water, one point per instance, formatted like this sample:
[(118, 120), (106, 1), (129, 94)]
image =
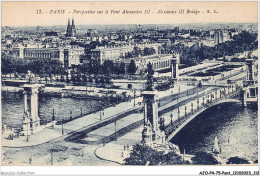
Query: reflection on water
[(235, 127), (13, 108)]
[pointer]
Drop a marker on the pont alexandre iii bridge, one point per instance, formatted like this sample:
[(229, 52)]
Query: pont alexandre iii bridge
[(158, 130), (164, 117)]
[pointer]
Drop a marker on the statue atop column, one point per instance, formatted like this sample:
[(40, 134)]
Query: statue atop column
[(150, 72)]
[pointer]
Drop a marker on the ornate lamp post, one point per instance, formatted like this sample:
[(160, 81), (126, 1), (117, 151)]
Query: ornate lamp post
[(115, 131), (81, 112), (134, 96), (62, 130), (53, 115)]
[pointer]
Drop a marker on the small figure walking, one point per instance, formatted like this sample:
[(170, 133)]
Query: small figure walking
[(124, 147), (103, 113), (122, 154), (30, 160), (127, 147)]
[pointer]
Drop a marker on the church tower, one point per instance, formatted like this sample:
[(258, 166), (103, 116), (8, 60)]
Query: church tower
[(71, 29)]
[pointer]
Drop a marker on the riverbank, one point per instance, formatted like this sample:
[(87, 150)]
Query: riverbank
[(78, 92)]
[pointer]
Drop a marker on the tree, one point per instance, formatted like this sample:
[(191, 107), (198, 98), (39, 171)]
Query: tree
[(94, 67), (108, 67), (203, 158), (237, 160), (142, 154), (132, 67), (84, 68), (56, 66), (122, 68), (149, 51), (172, 158), (137, 52), (7, 64), (39, 67)]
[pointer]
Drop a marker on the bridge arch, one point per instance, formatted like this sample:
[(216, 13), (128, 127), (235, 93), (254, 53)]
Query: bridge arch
[(193, 116)]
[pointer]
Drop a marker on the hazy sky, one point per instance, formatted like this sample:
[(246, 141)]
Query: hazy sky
[(25, 13)]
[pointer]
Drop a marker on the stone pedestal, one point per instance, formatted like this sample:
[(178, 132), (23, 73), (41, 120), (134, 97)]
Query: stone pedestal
[(152, 133)]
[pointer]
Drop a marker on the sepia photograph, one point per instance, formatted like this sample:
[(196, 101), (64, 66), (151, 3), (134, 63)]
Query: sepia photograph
[(144, 83)]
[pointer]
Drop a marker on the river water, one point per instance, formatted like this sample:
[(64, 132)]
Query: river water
[(235, 127), (13, 108)]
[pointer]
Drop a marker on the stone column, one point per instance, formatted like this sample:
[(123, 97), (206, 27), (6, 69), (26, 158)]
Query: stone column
[(26, 117), (145, 112), (244, 97), (156, 121), (25, 101), (174, 69), (250, 69), (34, 103)]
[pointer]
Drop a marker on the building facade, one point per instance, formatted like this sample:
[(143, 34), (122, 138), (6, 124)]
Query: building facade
[(158, 61), (72, 56), (69, 55), (116, 53)]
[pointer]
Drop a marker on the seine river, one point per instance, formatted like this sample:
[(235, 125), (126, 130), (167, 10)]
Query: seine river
[(13, 108), (235, 127)]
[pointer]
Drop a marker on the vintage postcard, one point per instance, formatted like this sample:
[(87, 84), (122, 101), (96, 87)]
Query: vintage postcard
[(143, 83)]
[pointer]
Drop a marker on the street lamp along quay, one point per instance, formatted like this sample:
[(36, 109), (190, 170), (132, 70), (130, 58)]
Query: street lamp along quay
[(115, 131), (134, 96), (62, 130)]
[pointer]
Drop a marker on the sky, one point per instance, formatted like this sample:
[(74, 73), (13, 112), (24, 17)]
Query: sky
[(25, 13)]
